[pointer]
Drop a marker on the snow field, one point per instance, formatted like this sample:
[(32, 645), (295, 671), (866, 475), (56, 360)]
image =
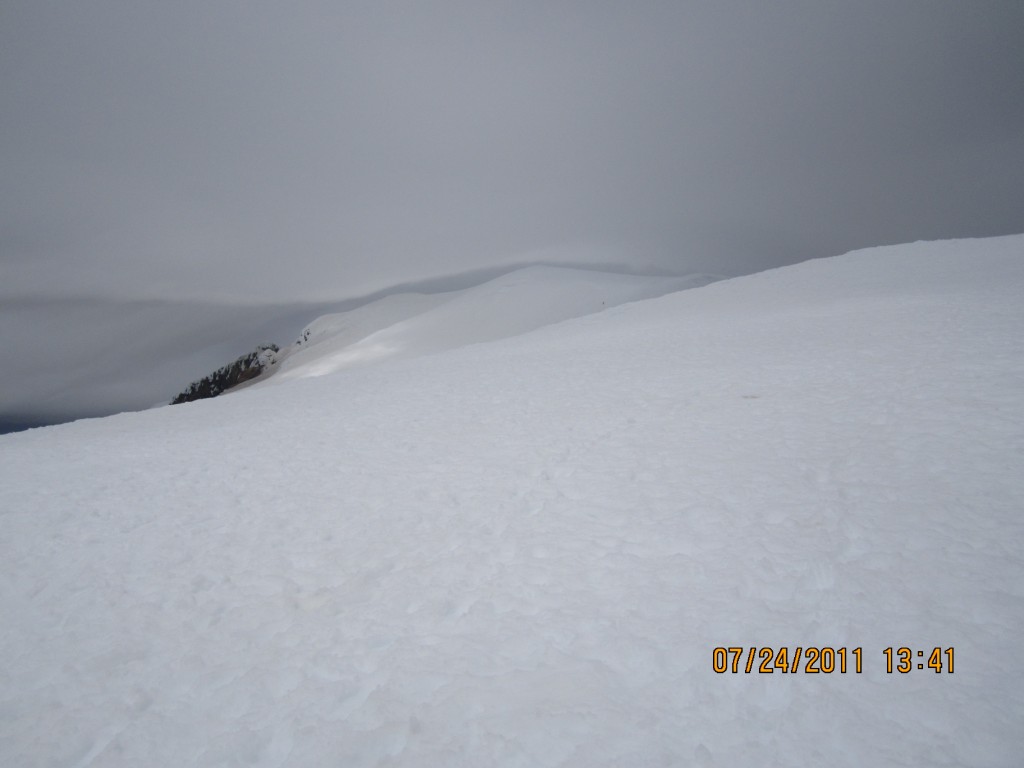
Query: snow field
[(412, 324), (523, 552)]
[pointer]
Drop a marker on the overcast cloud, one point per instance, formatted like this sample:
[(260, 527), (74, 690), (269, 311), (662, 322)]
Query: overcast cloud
[(316, 150), (239, 152)]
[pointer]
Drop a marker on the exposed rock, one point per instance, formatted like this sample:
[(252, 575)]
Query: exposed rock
[(245, 368)]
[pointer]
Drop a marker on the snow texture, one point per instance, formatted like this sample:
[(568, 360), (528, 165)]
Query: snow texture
[(523, 552), (413, 324)]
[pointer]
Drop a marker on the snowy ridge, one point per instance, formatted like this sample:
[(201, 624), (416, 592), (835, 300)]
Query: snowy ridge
[(524, 552), (412, 324)]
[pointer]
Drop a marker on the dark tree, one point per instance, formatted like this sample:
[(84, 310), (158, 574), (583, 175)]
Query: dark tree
[(243, 369)]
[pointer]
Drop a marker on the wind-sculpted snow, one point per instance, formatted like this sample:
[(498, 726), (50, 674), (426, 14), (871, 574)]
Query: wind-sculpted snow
[(523, 553), (409, 325)]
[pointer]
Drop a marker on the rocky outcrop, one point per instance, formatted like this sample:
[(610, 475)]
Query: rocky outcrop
[(245, 368)]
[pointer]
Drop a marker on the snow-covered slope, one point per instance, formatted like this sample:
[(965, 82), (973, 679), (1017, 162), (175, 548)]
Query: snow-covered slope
[(413, 324), (525, 552), (67, 358)]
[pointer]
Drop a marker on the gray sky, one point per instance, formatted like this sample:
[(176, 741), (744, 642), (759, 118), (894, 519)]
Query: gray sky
[(318, 150), (262, 152)]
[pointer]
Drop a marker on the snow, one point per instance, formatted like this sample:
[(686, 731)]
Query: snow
[(523, 552), (413, 324)]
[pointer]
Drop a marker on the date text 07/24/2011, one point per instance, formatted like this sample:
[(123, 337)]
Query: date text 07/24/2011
[(826, 660)]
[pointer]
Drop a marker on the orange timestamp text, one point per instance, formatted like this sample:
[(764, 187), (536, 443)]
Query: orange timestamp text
[(825, 660)]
